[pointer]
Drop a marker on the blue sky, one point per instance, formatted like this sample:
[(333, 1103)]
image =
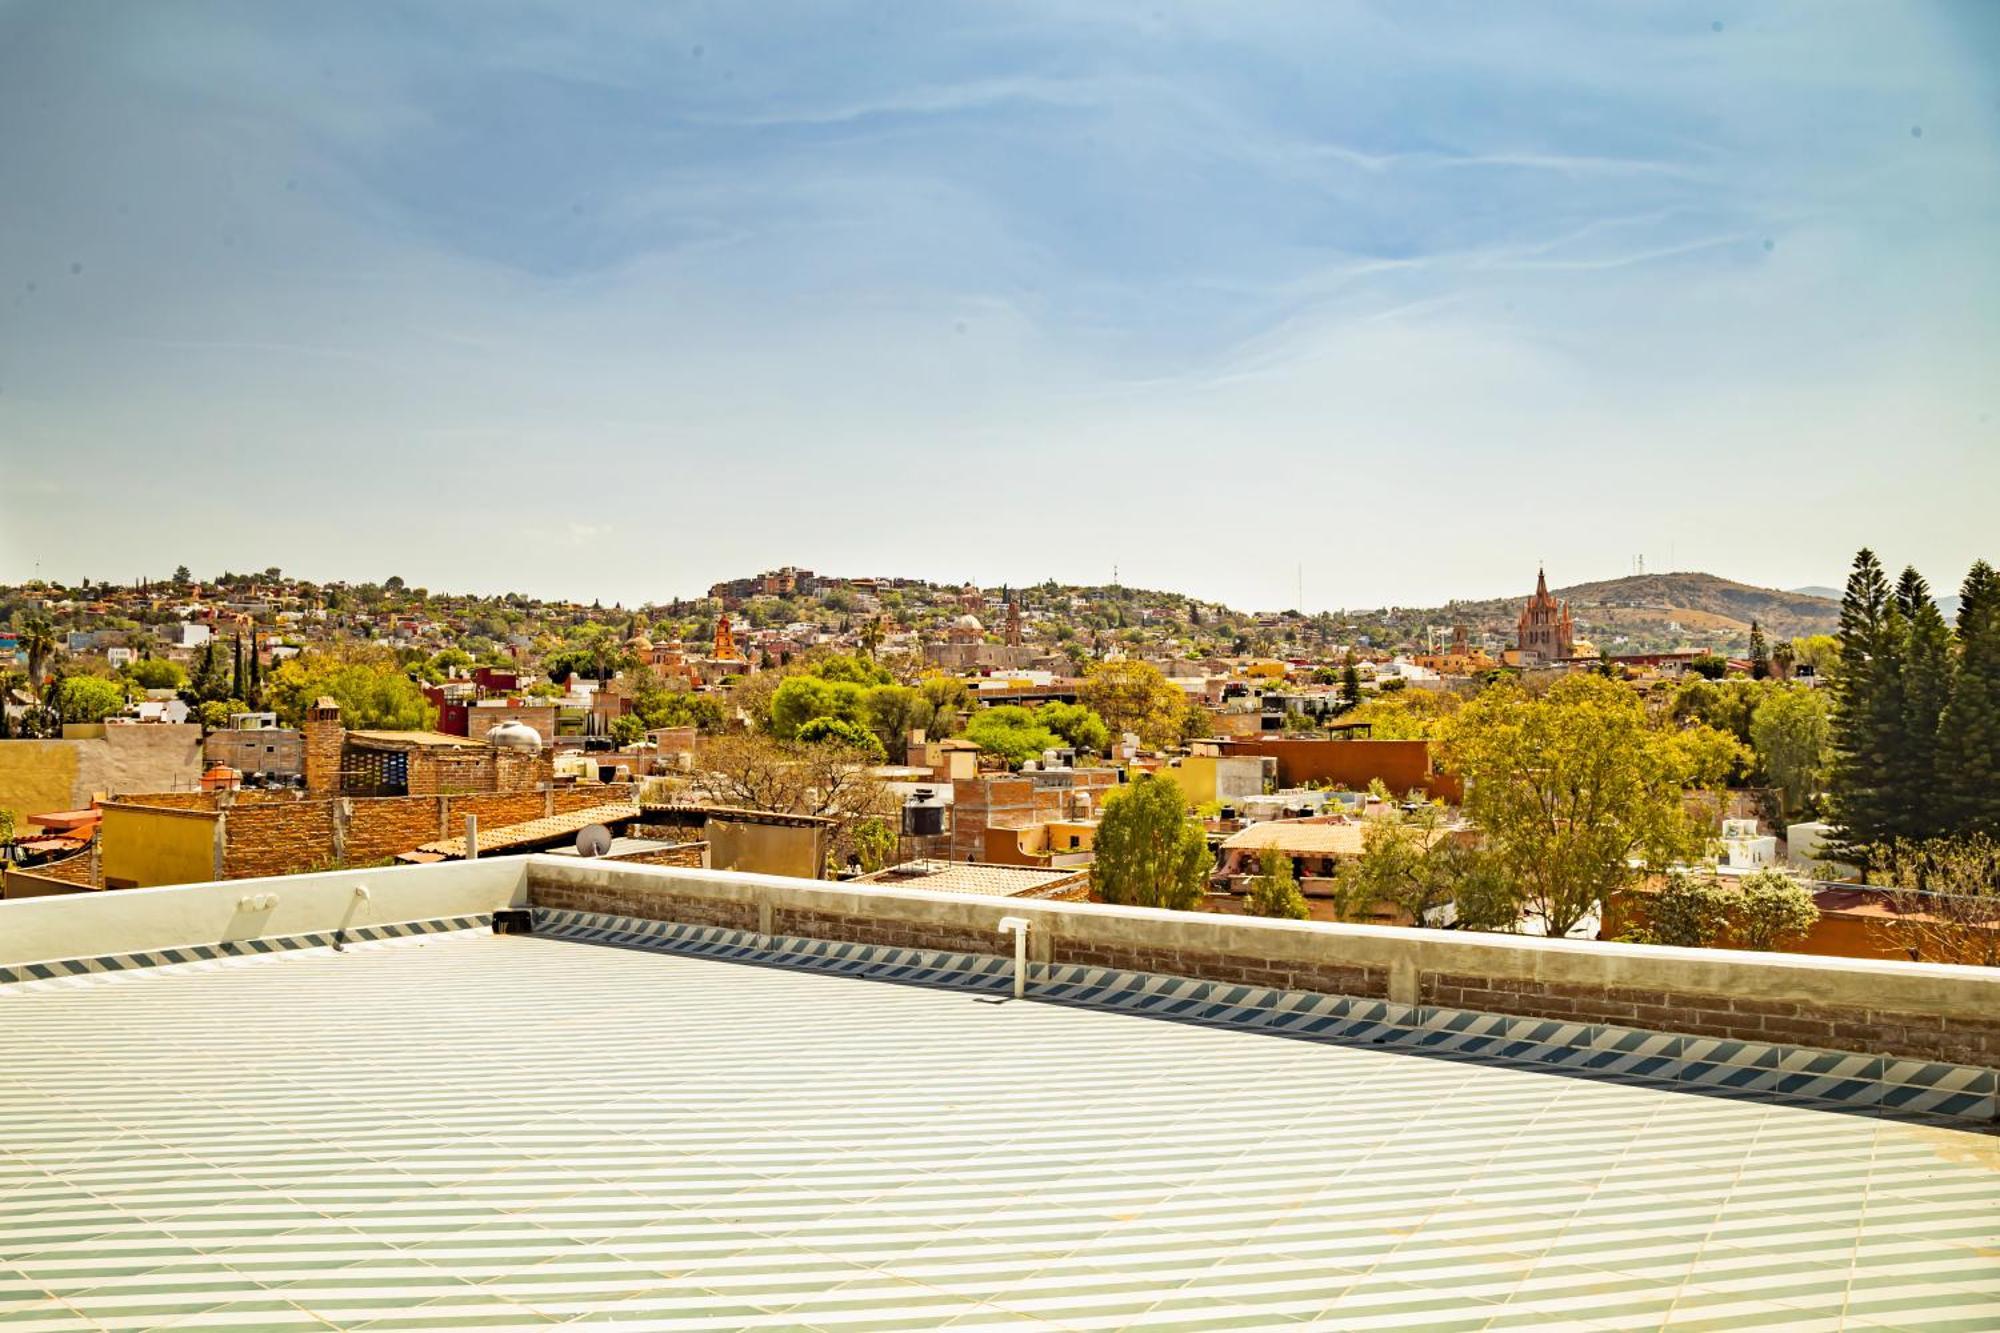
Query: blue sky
[(616, 300)]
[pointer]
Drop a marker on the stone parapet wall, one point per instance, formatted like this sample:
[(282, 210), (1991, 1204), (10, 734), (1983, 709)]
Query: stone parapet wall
[(1911, 1010)]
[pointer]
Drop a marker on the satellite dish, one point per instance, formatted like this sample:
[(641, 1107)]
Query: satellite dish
[(593, 840)]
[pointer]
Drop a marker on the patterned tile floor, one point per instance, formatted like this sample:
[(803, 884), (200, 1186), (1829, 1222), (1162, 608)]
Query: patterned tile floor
[(494, 1131)]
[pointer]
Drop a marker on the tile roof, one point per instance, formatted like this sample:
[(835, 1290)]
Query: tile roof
[(1001, 881), (534, 832)]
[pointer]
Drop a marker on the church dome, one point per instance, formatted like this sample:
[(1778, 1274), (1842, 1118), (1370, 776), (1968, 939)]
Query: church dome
[(967, 621)]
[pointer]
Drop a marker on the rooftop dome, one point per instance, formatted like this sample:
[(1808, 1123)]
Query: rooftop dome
[(514, 735), (967, 621)]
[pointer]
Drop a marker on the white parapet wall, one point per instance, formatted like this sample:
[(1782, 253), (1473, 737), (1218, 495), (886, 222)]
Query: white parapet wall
[(130, 921)]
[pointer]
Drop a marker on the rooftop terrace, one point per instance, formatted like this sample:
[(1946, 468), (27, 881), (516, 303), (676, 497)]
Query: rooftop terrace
[(627, 1122)]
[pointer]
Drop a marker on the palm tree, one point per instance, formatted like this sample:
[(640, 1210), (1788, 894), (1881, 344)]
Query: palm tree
[(38, 640)]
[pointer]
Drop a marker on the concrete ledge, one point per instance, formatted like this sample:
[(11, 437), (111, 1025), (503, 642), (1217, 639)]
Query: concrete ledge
[(135, 921), (1919, 1011)]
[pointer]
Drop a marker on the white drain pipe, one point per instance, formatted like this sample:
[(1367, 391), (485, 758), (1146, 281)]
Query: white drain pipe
[(1018, 927)]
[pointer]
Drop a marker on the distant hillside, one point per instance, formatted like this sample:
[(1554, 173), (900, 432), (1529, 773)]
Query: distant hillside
[(1947, 603), (1644, 609)]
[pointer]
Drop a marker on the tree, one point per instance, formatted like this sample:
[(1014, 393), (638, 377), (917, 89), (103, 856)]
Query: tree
[(1148, 852), (1791, 733), (1927, 670), (1575, 787), (1760, 653), (1771, 909), (1867, 712), (1077, 725), (950, 699), (1818, 653), (1274, 890), (1710, 666), (373, 690), (1134, 696), (1763, 910), (183, 577), (1011, 732), (628, 729), (800, 699), (1408, 715), (827, 780), (1686, 911), (874, 844), (38, 641), (1969, 732), (89, 698), (1350, 684), (1783, 657), (894, 711), (154, 673), (840, 731), (215, 713), (1945, 898), (210, 681)]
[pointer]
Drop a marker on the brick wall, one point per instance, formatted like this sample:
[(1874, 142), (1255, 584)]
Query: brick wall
[(379, 827), (653, 903), (1247, 969), (174, 800), (278, 839), (1966, 1039)]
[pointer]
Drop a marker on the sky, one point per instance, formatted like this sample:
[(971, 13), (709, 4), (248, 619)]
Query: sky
[(1333, 304)]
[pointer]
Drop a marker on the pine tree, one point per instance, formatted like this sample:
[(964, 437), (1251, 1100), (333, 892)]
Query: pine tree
[(1969, 735), (237, 685), (1867, 711), (1926, 677), (1350, 683), (1760, 653)]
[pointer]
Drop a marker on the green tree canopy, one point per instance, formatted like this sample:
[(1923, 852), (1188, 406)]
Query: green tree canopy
[(1012, 732), (800, 699), (1077, 725), (1149, 854), (372, 689), (1274, 889), (1791, 733), (840, 731), (1576, 788), (155, 673), (1135, 696), (89, 698)]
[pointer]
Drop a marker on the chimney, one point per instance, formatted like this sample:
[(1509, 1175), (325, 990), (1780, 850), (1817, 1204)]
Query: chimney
[(325, 738)]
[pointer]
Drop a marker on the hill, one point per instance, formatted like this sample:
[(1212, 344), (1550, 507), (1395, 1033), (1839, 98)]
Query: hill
[(1658, 611)]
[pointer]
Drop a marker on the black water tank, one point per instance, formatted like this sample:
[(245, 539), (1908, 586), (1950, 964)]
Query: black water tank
[(923, 817)]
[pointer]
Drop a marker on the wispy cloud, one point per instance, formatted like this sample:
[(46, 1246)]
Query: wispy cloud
[(783, 283)]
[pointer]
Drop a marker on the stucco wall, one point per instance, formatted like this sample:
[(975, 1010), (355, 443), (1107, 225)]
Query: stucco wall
[(37, 777), (136, 920), (143, 846), (766, 849)]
